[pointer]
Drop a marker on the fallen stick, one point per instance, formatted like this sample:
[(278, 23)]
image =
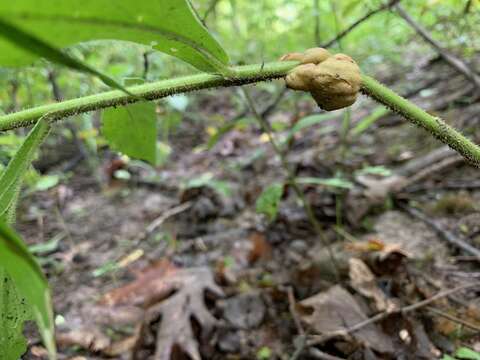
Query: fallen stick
[(444, 233)]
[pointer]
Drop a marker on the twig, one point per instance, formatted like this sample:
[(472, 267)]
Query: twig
[(451, 59), (161, 219), (292, 181), (316, 9), (210, 9), (300, 347), (293, 312), (345, 32), (319, 339), (317, 354), (453, 318), (444, 233)]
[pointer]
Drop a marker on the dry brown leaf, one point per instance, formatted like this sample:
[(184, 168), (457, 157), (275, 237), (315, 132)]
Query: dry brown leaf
[(364, 281), (92, 339), (152, 285), (336, 310), (261, 249), (174, 295), (179, 309), (382, 258)]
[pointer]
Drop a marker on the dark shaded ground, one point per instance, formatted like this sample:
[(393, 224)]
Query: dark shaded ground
[(265, 269)]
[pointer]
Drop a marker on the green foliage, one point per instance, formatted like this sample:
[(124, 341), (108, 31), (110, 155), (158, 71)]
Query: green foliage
[(30, 282), (463, 353), (336, 182), (132, 130), (264, 353), (269, 201), (41, 48), (11, 179), (369, 120), (208, 179), (18, 262), (13, 313), (172, 27), (466, 353), (309, 121)]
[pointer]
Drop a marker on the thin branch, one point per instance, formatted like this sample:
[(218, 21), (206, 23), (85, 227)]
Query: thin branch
[(317, 354), (453, 318), (451, 59), (345, 32), (316, 13), (211, 8), (444, 233)]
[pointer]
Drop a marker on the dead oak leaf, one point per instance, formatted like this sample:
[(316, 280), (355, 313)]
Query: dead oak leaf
[(178, 311), (163, 292), (364, 281), (176, 296), (152, 284), (336, 310)]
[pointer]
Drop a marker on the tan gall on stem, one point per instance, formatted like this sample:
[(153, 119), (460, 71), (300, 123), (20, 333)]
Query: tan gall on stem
[(333, 80)]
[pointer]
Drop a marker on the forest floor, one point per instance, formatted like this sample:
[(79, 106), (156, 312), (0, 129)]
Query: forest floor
[(178, 261)]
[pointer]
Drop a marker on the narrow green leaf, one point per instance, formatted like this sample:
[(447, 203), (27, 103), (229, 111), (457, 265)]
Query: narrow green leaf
[(30, 282), (170, 26), (466, 353), (132, 130), (208, 179), (308, 121), (332, 182), (12, 176), (43, 49), (269, 201), (369, 120)]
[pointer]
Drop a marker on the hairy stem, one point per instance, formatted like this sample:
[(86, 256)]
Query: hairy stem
[(434, 125), (242, 75), (151, 91)]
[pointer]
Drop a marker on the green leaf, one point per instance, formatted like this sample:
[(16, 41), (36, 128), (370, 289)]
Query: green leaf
[(46, 182), (207, 179), (374, 170), (269, 201), (264, 353), (30, 282), (333, 182), (12, 177), (132, 130), (466, 353), (170, 26), (369, 120), (14, 311), (36, 46), (447, 357), (306, 122)]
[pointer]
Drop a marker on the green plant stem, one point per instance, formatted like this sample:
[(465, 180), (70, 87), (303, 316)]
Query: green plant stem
[(292, 180), (242, 75), (151, 91), (434, 125)]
